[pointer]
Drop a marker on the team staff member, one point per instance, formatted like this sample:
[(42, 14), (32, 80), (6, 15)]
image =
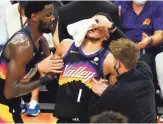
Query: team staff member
[(133, 95)]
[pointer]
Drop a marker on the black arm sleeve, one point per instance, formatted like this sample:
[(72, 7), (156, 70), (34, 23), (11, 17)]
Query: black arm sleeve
[(62, 31), (21, 89), (118, 34), (52, 85)]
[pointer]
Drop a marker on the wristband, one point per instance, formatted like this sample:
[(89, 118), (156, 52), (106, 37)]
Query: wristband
[(44, 80), (48, 78)]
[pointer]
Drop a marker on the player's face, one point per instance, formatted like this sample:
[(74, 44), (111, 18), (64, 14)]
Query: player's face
[(101, 33), (46, 19)]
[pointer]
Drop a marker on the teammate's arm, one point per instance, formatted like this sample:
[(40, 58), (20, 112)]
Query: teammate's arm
[(20, 55)]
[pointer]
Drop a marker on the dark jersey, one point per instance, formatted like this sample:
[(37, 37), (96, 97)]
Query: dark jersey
[(30, 71), (74, 89)]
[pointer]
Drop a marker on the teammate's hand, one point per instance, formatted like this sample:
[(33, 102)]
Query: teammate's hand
[(55, 56), (50, 64), (98, 87)]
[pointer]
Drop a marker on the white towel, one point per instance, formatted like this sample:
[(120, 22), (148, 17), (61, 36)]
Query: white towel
[(79, 29)]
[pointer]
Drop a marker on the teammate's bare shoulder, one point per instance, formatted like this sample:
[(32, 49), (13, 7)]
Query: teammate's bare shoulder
[(20, 39), (19, 44)]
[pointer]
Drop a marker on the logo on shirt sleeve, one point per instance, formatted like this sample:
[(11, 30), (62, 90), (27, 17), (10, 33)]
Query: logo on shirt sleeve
[(146, 22)]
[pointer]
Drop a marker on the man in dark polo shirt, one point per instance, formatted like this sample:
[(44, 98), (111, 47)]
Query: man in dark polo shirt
[(142, 22), (133, 95)]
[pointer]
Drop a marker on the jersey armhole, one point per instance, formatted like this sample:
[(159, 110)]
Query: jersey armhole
[(67, 53)]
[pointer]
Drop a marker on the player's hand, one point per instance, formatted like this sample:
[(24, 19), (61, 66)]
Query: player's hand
[(50, 64), (108, 25)]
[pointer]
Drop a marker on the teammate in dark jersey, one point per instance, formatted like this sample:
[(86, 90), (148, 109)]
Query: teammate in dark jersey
[(21, 56), (81, 64)]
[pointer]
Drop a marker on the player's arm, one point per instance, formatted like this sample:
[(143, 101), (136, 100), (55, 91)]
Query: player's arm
[(56, 37), (56, 64), (20, 55), (99, 86), (108, 68), (63, 47), (60, 52)]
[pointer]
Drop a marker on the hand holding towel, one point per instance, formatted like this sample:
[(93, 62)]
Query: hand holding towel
[(78, 30)]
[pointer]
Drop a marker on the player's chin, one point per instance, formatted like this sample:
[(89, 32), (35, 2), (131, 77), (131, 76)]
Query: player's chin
[(50, 29), (95, 37)]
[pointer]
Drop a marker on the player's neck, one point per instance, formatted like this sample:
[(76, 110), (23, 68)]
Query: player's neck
[(137, 8), (90, 47), (123, 70), (35, 34)]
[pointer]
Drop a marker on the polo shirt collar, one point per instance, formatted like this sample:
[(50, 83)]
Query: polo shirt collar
[(127, 75), (129, 5)]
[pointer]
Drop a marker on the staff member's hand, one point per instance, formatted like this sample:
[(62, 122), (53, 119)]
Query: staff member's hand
[(145, 41), (98, 87)]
